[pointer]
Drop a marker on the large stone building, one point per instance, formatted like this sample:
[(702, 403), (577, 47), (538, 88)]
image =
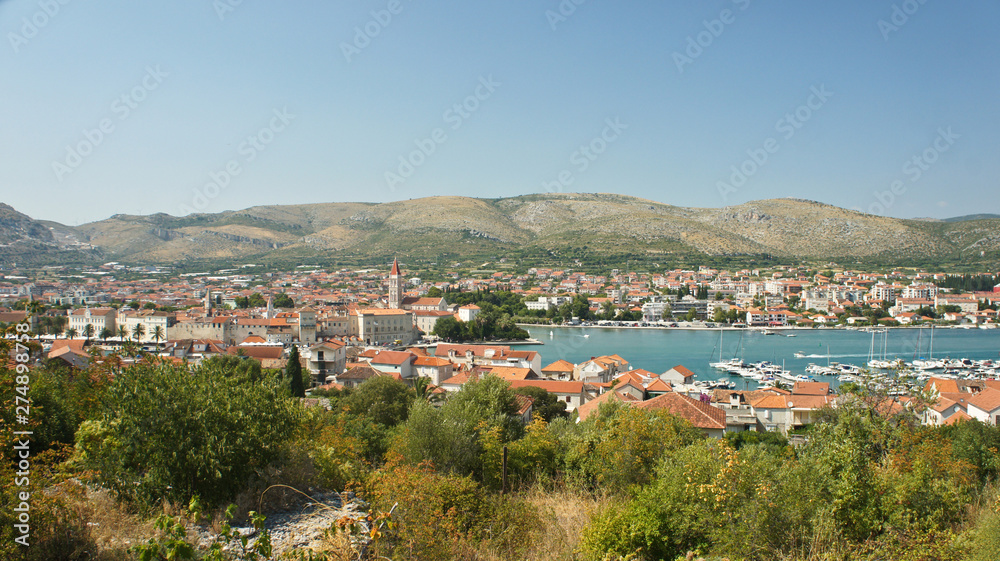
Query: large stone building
[(377, 326), (99, 318)]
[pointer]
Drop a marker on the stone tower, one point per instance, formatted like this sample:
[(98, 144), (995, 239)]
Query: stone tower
[(395, 286)]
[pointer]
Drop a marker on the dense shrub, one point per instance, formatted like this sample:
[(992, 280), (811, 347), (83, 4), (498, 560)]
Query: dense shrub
[(441, 516), (167, 433), (452, 437), (622, 445), (382, 399)]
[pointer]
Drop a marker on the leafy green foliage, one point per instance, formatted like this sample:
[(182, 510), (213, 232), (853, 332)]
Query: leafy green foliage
[(447, 516), (489, 324), (283, 300), (450, 437), (774, 442), (172, 543), (382, 399), (238, 369), (167, 433), (545, 404), (293, 371), (622, 445), (977, 444)]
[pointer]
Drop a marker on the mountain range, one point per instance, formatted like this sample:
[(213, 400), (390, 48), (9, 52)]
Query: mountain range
[(577, 226)]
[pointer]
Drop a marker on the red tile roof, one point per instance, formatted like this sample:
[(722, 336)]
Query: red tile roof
[(683, 370), (256, 352), (560, 366), (956, 417), (700, 415), (553, 386), (510, 373), (987, 400), (431, 361), (395, 358), (811, 388)]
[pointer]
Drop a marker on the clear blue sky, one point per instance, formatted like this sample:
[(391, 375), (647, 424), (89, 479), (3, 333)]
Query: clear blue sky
[(198, 84)]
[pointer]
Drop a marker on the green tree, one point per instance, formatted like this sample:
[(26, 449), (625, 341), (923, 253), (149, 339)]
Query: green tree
[(449, 329), (88, 332), (452, 436), (383, 399), (236, 368), (293, 371), (546, 404), (105, 334), (719, 316), (170, 433), (621, 445), (122, 333), (283, 300)]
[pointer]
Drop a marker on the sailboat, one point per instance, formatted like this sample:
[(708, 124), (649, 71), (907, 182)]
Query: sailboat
[(721, 365), (930, 363), (732, 365)]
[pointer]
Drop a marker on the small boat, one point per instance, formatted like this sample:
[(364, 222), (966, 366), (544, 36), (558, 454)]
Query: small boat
[(799, 354)]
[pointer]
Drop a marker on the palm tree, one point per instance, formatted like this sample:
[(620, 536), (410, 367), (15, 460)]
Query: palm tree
[(88, 332), (71, 333), (35, 307), (105, 334), (138, 331), (158, 334), (122, 333), (423, 387)]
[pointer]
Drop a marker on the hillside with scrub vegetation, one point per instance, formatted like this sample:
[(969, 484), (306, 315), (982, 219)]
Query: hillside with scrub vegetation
[(590, 227), (140, 458)]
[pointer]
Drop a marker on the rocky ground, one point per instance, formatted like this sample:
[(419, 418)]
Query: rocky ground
[(307, 526)]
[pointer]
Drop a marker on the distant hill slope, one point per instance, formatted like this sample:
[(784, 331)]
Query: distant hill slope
[(972, 217), (26, 241), (582, 226)]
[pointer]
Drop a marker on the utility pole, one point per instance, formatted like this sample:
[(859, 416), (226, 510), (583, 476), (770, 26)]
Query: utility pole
[(503, 484)]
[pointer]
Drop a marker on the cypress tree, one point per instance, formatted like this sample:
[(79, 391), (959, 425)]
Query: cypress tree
[(293, 369)]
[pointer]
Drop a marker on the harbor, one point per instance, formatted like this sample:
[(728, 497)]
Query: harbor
[(747, 359)]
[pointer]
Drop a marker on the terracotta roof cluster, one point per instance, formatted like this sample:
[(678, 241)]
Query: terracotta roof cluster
[(701, 415)]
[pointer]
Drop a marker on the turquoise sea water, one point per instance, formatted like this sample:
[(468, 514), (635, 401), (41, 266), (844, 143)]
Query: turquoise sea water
[(658, 350)]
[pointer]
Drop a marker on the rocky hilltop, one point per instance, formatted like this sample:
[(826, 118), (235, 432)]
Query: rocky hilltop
[(557, 224)]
